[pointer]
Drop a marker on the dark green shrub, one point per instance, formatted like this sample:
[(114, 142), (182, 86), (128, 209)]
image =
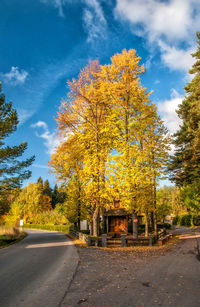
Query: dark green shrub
[(176, 220), (186, 220), (196, 220)]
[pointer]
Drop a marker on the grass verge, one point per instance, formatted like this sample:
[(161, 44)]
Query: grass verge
[(6, 240)]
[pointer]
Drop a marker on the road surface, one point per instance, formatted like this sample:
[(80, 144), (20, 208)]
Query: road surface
[(165, 276), (37, 271)]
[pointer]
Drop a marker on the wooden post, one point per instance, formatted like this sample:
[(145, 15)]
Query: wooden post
[(150, 241), (127, 224), (104, 240), (123, 240), (89, 241)]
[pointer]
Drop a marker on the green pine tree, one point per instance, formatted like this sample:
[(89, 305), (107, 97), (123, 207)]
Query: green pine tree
[(12, 169), (47, 190), (185, 164)]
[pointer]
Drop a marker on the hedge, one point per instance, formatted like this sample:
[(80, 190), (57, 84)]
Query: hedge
[(60, 228), (187, 220)]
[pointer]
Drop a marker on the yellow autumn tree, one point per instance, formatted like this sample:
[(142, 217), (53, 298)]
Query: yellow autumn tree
[(86, 114), (118, 133), (67, 163), (141, 141)]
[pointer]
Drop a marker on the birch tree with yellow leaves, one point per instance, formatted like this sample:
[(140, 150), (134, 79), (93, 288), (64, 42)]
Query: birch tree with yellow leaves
[(118, 132), (86, 114), (141, 141)]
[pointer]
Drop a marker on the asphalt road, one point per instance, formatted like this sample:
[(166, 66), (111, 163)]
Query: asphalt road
[(37, 271)]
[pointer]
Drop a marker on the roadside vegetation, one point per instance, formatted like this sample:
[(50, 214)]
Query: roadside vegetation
[(10, 235)]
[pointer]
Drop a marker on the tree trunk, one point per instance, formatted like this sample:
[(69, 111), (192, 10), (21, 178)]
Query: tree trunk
[(152, 220), (146, 225), (95, 222), (91, 228), (155, 224), (155, 205), (135, 226), (79, 216)]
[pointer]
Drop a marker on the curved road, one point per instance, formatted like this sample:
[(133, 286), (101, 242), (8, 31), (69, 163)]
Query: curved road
[(38, 270)]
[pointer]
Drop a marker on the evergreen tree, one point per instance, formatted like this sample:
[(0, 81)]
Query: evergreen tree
[(40, 183), (12, 170), (185, 164), (47, 190), (58, 196)]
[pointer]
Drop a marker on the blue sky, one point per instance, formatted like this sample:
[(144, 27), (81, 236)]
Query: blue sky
[(44, 43)]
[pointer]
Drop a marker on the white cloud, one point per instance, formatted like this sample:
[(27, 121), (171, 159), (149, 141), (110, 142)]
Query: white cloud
[(15, 76), (94, 20), (177, 59), (167, 110), (51, 140), (166, 24)]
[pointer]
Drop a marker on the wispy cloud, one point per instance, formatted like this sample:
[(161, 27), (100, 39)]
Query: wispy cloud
[(42, 80), (40, 166), (15, 76), (165, 24), (58, 4), (94, 21), (167, 110), (51, 139)]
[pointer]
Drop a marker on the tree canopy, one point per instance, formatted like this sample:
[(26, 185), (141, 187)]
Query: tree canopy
[(185, 164), (115, 143), (13, 170)]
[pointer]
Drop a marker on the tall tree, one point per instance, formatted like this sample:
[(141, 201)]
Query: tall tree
[(67, 163), (185, 164), (86, 115), (12, 169), (113, 121), (141, 140), (47, 190)]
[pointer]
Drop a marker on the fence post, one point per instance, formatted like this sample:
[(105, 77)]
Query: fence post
[(89, 241), (104, 240), (150, 241), (123, 240)]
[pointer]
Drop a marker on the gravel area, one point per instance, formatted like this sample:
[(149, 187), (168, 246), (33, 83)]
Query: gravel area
[(140, 276)]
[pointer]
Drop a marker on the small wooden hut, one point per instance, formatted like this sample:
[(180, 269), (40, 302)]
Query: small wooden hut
[(116, 219)]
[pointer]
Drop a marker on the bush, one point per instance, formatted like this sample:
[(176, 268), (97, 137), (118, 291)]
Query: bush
[(196, 220), (60, 228), (186, 220), (50, 217), (176, 220)]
